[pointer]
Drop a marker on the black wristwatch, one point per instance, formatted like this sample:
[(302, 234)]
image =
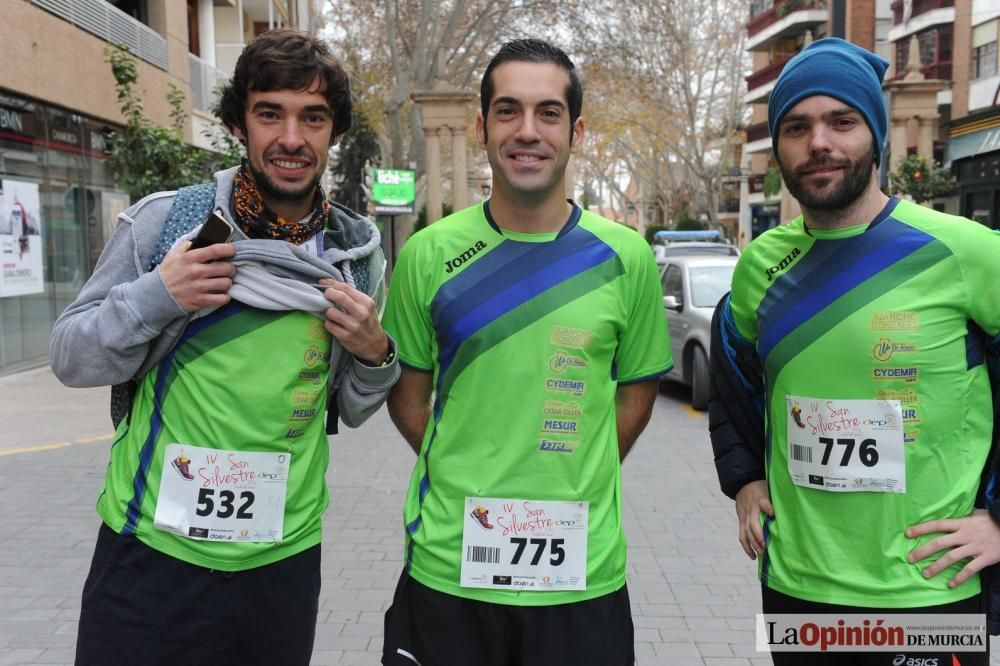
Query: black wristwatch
[(390, 356)]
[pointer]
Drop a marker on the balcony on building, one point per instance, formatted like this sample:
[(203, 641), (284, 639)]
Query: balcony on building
[(935, 44), (109, 23), (781, 19), (925, 14), (755, 188), (900, 14), (728, 207), (983, 93), (205, 82), (760, 83), (758, 138)]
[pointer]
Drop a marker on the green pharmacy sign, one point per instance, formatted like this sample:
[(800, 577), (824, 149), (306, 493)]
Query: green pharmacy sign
[(393, 191)]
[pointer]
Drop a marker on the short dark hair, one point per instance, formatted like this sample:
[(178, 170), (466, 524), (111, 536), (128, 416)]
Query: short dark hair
[(537, 51), (287, 59)]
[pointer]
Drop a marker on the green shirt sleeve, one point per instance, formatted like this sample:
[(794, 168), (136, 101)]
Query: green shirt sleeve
[(740, 305), (644, 345), (979, 257), (407, 314)]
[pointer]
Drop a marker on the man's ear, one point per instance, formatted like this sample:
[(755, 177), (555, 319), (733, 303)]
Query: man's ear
[(576, 140), (481, 130)]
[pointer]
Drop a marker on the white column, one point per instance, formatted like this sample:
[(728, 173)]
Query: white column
[(206, 31), (898, 143), (434, 210), (239, 14), (925, 137), (744, 228), (459, 170)]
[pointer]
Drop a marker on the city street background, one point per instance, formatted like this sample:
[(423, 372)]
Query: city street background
[(694, 593)]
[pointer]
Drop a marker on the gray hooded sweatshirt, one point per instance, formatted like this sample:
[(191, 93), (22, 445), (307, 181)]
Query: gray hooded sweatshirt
[(125, 321)]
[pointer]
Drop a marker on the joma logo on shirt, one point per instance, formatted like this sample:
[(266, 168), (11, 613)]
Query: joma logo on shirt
[(452, 264), (783, 264)]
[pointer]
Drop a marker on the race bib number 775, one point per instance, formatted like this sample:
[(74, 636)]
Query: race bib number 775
[(516, 544)]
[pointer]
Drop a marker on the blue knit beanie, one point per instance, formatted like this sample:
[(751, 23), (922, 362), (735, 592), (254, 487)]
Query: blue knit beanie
[(835, 68)]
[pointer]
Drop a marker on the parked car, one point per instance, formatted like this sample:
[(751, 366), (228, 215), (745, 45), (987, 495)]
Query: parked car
[(692, 287), (672, 243)]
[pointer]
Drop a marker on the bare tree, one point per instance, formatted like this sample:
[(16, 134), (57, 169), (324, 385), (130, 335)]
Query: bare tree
[(398, 47), (664, 84)]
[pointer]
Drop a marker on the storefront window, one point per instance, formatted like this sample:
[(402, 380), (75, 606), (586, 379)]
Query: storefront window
[(980, 207), (979, 188), (54, 177)]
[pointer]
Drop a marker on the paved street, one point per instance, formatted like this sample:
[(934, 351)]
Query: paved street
[(693, 591)]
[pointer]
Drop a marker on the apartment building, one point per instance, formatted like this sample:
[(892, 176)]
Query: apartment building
[(58, 201), (776, 31), (942, 90), (972, 148)]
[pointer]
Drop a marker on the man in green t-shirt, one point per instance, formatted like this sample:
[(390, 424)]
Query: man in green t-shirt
[(213, 499), (531, 336), (856, 470)]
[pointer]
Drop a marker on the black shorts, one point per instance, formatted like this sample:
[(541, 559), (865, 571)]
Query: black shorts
[(776, 602), (429, 628), (142, 607)]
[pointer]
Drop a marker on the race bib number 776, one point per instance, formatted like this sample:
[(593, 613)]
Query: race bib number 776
[(846, 445)]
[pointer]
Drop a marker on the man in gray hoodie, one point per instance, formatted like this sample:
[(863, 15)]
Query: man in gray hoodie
[(213, 499)]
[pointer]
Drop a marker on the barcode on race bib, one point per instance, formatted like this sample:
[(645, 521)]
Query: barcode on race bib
[(484, 554), (803, 453)]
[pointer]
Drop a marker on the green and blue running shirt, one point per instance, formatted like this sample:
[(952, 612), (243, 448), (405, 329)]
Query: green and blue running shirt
[(216, 390), (527, 337), (895, 310)]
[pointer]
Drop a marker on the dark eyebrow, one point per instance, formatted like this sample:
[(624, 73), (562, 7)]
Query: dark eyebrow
[(271, 106), (505, 100), (264, 105), (516, 102), (552, 102), (835, 113)]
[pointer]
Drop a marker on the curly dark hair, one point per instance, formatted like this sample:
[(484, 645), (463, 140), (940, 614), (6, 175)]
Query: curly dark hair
[(287, 59)]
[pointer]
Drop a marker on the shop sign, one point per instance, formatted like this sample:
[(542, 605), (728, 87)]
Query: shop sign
[(18, 121), (393, 191), (974, 143), (21, 268)]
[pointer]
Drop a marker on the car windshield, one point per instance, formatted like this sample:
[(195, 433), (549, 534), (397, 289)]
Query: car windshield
[(674, 250), (709, 283)]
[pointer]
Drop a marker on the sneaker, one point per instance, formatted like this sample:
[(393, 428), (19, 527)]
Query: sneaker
[(481, 515), (181, 463)]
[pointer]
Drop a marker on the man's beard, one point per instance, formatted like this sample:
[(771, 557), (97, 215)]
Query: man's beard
[(275, 192), (857, 176)]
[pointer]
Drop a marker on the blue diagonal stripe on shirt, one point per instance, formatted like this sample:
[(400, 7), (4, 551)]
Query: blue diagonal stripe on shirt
[(825, 258), (550, 269), (858, 259), (132, 512), (508, 263)]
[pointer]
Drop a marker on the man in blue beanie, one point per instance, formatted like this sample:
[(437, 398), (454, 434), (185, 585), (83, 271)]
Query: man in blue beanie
[(851, 412)]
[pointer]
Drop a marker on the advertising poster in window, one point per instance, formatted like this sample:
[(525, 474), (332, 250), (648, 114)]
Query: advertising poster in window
[(20, 239)]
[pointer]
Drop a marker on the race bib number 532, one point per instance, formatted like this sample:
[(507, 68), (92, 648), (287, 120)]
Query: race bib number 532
[(517, 544), (846, 445), (222, 495)]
